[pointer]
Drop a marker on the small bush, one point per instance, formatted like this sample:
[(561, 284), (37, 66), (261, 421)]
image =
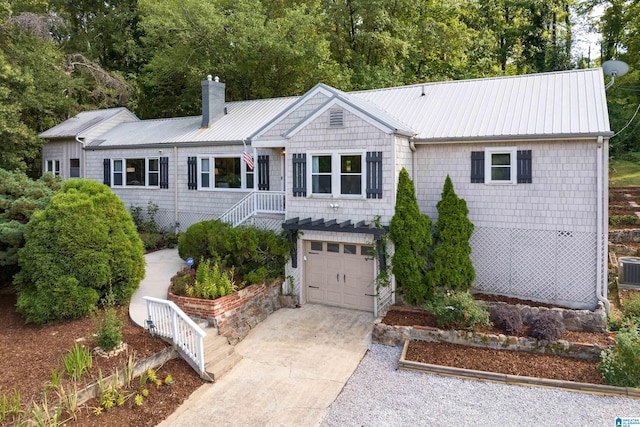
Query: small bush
[(506, 318), (182, 280), (151, 240), (454, 309), (109, 327), (547, 326), (624, 220), (620, 364), (171, 239), (631, 306)]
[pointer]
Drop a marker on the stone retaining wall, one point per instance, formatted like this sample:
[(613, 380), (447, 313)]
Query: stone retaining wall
[(625, 236), (234, 315), (574, 320), (397, 335)]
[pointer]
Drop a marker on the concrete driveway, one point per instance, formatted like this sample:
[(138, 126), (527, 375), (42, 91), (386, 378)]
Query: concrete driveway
[(295, 364)]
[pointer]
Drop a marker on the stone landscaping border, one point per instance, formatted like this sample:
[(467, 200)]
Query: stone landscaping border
[(152, 362), (606, 390), (395, 336)]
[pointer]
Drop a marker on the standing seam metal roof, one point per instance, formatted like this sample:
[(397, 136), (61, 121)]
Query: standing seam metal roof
[(81, 122)]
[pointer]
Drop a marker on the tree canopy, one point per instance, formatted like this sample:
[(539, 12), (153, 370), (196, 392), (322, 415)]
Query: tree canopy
[(59, 57)]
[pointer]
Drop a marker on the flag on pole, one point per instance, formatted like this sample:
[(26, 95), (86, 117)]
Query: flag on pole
[(248, 159)]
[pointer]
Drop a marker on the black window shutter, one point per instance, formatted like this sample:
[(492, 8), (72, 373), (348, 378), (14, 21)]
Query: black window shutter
[(164, 172), (192, 173), (263, 173), (374, 175), (299, 175), (107, 172), (477, 166), (524, 167)]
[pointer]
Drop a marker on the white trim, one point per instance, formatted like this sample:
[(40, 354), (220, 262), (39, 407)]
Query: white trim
[(212, 167), (268, 143), (336, 174), (332, 103), (513, 159), (124, 172), (53, 166)]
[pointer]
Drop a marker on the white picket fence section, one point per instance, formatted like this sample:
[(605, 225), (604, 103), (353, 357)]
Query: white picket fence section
[(169, 321), (254, 203)]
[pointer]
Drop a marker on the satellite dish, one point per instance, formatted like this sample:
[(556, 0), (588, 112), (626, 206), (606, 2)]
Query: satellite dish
[(614, 69)]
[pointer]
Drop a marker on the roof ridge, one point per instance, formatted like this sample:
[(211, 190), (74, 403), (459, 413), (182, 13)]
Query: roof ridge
[(480, 79)]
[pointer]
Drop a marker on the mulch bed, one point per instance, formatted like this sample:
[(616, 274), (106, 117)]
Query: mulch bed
[(30, 353), (499, 361)]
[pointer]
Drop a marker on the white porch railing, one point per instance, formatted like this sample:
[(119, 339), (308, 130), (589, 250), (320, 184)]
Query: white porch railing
[(169, 321), (254, 203)]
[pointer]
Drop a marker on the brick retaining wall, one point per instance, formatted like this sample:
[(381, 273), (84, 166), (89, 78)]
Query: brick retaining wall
[(234, 315)]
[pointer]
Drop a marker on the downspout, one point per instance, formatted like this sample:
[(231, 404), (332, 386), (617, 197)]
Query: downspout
[(414, 160), (601, 288), (175, 189), (84, 156)]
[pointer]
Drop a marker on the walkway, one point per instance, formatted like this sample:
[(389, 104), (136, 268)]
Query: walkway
[(161, 266), (294, 365)]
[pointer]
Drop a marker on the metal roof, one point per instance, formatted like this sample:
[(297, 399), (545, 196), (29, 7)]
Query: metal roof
[(566, 103), (560, 104), (143, 132), (81, 122), (242, 119)]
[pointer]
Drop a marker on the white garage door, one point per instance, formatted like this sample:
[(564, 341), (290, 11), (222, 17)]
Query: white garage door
[(340, 274)]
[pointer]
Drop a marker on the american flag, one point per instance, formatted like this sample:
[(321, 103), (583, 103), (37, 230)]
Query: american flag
[(248, 159)]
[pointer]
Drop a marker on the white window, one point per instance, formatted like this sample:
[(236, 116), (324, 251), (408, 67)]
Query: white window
[(337, 174), (141, 172), (500, 165), (53, 166), (223, 172)]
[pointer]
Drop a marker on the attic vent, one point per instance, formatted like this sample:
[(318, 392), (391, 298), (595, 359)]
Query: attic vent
[(336, 118), (629, 272)]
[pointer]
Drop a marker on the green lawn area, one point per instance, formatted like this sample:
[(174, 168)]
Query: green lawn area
[(623, 173)]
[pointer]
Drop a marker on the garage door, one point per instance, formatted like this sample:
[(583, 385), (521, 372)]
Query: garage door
[(340, 274)]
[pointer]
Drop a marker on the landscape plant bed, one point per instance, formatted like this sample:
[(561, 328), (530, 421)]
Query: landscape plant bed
[(405, 316), (31, 353), (509, 367)]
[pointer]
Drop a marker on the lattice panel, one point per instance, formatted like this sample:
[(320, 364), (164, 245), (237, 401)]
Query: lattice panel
[(274, 224), (187, 219), (542, 265), (577, 267), (384, 298), (491, 258)]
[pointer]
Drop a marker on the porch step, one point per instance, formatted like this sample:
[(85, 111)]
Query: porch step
[(219, 355)]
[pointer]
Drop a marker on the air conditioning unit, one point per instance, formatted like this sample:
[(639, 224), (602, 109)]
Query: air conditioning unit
[(629, 272)]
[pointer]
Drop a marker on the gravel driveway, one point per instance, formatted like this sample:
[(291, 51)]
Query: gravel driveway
[(378, 394)]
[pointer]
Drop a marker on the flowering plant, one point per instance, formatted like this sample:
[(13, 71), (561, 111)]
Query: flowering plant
[(620, 364)]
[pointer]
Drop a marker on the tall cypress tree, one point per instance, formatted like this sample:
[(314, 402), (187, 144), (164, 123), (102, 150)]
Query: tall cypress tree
[(410, 232), (450, 261)]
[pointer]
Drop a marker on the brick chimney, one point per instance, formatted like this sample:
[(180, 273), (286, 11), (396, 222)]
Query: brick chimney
[(212, 101)]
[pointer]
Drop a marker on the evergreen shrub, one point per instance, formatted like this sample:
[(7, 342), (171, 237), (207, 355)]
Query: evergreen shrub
[(80, 246), (256, 255), (450, 260), (410, 232)]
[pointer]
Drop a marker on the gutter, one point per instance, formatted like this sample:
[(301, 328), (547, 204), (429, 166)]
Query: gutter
[(414, 159), (601, 287), (519, 138)]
